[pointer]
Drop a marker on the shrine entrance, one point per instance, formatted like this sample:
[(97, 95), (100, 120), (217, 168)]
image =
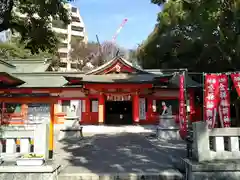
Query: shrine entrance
[(118, 113)]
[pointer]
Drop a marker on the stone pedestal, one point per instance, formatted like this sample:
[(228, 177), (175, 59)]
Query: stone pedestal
[(168, 133), (71, 122), (167, 128)]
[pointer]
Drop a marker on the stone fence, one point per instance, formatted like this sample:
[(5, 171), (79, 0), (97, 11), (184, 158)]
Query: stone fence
[(24, 139), (215, 144), (216, 153)]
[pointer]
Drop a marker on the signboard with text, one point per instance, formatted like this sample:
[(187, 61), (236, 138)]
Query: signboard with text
[(38, 112)]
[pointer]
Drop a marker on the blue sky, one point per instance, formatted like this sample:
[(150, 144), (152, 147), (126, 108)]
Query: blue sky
[(103, 17)]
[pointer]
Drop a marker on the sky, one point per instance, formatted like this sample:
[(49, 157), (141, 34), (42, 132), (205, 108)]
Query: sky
[(103, 17)]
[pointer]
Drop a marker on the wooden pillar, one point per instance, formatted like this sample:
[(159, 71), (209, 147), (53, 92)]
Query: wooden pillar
[(101, 108), (88, 110), (135, 98), (51, 131), (150, 108), (59, 106)]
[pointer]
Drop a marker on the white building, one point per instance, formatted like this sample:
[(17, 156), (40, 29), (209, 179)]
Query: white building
[(75, 30), (5, 36)]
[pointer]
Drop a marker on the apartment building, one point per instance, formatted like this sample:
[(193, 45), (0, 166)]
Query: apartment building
[(75, 30), (5, 35)]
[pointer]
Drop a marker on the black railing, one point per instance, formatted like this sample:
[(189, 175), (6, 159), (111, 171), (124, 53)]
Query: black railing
[(189, 141)]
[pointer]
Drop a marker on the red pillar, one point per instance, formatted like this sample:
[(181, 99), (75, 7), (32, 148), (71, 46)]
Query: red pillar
[(135, 108), (101, 108), (88, 109), (150, 109)]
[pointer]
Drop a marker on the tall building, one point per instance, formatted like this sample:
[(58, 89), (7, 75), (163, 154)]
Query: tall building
[(75, 30)]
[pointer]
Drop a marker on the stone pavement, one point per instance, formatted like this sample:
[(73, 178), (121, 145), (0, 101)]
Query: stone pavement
[(121, 153), (175, 150)]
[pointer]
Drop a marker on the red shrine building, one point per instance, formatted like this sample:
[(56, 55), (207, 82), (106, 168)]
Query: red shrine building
[(116, 93)]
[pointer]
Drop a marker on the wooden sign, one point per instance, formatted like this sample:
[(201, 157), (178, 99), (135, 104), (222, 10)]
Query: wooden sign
[(119, 97)]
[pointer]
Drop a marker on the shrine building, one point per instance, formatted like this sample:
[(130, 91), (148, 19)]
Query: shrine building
[(116, 93)]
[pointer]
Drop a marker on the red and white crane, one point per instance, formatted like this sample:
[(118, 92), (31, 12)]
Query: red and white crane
[(107, 46), (119, 30)]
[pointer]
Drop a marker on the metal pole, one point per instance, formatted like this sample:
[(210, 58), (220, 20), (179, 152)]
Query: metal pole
[(229, 96)]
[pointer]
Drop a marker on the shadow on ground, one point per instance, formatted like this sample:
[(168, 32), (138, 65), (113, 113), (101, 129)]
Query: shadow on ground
[(115, 153)]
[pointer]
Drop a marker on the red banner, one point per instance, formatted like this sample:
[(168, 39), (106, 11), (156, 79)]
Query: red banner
[(211, 92), (182, 110), (224, 97), (236, 81)]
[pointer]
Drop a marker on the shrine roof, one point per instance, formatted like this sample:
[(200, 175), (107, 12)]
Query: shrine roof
[(111, 66), (32, 73), (42, 80), (8, 79), (190, 83), (114, 78), (6, 66), (31, 65)]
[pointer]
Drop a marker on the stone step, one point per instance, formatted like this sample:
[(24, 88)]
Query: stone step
[(165, 175)]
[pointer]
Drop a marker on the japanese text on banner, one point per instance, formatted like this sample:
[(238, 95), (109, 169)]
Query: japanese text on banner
[(236, 81), (211, 99), (182, 110), (224, 105)]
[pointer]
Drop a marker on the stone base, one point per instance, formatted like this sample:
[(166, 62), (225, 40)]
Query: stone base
[(46, 172), (215, 170), (70, 133), (30, 161), (165, 175), (28, 176), (168, 133)]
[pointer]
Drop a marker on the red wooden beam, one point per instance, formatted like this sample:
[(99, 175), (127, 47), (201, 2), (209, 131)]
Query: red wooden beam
[(75, 81), (39, 90), (29, 99)]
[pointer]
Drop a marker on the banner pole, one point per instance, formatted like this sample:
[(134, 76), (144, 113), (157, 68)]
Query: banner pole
[(229, 96)]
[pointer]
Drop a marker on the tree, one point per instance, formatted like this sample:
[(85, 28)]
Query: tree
[(15, 50), (198, 35), (84, 53), (31, 19), (94, 54)]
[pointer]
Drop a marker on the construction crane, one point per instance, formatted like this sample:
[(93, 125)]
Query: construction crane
[(119, 30), (108, 47), (107, 50)]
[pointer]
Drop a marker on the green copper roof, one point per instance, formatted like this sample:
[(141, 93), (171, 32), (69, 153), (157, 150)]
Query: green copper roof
[(190, 83), (42, 81), (6, 67), (30, 65)]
